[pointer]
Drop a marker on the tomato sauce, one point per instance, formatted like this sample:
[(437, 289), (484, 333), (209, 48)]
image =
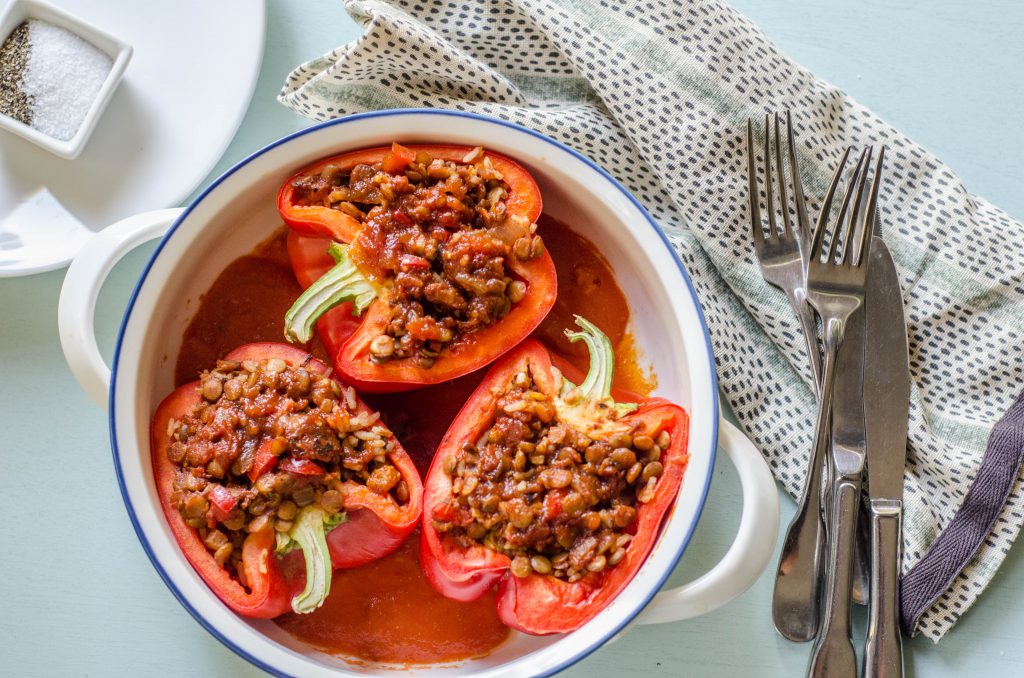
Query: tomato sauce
[(386, 610), (247, 303), (587, 287)]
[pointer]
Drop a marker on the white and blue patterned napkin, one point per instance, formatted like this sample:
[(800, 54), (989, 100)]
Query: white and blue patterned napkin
[(659, 93)]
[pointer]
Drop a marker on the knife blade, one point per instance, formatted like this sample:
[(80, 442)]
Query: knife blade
[(887, 405), (833, 653), (887, 379)]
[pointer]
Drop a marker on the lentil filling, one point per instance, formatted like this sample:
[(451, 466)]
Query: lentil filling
[(553, 497), (435, 239), (267, 442)]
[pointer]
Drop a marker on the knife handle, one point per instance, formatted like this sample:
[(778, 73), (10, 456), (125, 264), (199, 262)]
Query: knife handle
[(833, 655), (883, 656)]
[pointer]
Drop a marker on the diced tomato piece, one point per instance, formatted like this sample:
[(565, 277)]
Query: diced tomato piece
[(445, 513), (424, 329), (397, 159), (400, 217), (410, 262), (301, 467), (222, 501), (440, 234), (553, 504), (262, 462), (448, 219)]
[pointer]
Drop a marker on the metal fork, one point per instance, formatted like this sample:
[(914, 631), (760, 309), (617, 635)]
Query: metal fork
[(783, 254), (836, 281), (783, 257)]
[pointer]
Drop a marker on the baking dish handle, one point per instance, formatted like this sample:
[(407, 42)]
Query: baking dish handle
[(750, 552), (81, 289)]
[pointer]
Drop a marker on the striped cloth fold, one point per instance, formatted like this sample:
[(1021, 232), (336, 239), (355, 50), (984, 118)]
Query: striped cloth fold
[(659, 93)]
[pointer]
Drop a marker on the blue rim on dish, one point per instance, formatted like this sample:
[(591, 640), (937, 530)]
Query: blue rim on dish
[(713, 396)]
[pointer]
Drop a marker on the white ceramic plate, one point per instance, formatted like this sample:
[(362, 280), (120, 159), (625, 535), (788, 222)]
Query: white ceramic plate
[(182, 99)]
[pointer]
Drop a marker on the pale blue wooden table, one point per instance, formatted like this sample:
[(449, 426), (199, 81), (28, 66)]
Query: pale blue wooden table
[(79, 598)]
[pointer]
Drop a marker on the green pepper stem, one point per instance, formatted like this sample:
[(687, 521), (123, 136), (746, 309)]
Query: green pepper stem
[(598, 383), (344, 282), (596, 388), (308, 532)]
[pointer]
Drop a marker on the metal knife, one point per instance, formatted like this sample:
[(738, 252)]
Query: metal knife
[(887, 404), (833, 653)]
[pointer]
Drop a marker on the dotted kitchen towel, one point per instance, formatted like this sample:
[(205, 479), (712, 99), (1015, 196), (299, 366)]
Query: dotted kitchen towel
[(658, 93)]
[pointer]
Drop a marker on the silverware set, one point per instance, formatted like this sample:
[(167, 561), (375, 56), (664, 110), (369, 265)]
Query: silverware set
[(839, 277)]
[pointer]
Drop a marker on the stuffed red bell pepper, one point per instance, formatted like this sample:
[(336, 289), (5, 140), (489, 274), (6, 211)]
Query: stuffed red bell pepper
[(553, 492), (265, 462), (434, 247)]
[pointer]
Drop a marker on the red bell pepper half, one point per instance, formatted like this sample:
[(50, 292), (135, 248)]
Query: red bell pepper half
[(543, 604), (350, 314), (374, 525)]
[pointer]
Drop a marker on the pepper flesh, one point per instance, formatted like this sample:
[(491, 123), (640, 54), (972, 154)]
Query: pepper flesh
[(541, 604), (375, 525), (269, 594), (348, 339)]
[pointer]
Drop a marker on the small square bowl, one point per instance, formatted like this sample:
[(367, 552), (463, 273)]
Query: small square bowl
[(121, 52)]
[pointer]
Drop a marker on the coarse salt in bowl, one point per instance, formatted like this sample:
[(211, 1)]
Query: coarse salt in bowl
[(57, 74)]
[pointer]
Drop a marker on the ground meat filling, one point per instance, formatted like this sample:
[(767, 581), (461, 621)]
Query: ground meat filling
[(547, 495), (438, 237), (306, 419)]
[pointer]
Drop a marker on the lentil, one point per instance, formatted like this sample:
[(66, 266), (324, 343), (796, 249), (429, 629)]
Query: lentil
[(643, 443), (652, 470), (521, 567)]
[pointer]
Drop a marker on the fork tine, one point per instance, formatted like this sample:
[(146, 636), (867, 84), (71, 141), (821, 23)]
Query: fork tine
[(752, 192), (780, 170), (869, 219), (860, 188), (826, 207), (770, 202), (798, 189), (841, 219)]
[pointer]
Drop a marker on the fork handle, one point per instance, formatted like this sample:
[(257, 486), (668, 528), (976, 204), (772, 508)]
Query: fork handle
[(883, 656), (809, 326), (833, 655), (795, 601)]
